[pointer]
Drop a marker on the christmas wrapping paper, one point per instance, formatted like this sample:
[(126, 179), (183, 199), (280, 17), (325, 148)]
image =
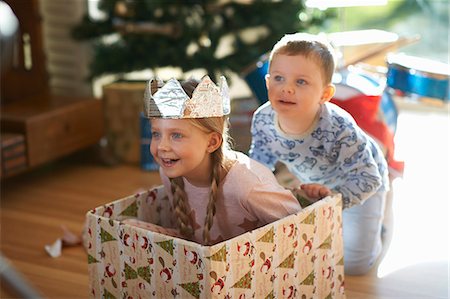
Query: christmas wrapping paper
[(299, 256)]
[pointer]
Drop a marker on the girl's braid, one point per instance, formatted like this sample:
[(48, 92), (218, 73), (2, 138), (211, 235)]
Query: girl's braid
[(214, 124), (211, 208), (180, 200)]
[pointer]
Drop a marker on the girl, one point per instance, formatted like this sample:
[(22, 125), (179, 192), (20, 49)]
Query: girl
[(216, 193)]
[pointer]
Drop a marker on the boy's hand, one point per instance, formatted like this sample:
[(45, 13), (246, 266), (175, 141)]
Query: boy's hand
[(315, 191), (308, 194)]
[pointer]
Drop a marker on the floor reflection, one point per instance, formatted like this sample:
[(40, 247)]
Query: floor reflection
[(419, 230)]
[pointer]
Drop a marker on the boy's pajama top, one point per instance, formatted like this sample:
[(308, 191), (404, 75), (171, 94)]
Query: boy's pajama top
[(340, 155), (335, 153)]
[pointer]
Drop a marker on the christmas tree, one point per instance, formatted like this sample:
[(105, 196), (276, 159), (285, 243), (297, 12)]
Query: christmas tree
[(218, 36)]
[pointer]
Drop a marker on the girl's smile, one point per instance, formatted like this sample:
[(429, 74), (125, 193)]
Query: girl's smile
[(182, 150), (169, 162)]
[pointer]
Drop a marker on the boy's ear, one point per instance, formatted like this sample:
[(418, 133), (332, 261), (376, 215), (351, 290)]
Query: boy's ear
[(328, 93), (215, 141), (266, 77)]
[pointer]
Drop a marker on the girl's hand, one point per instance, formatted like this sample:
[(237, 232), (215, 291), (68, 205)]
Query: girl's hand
[(315, 191)]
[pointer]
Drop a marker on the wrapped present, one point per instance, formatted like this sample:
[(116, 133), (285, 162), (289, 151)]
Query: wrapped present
[(122, 108), (299, 255)]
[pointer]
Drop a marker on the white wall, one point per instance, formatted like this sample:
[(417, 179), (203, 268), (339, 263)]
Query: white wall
[(67, 60)]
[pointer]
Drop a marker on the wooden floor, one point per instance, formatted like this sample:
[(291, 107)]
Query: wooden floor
[(36, 204)]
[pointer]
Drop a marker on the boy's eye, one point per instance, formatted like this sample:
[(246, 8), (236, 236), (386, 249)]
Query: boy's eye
[(155, 134), (277, 78), (301, 81)]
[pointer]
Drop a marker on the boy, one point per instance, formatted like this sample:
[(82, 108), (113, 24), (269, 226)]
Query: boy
[(320, 143)]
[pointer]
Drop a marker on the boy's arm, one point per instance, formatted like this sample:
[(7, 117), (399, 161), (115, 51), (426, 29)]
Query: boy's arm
[(356, 167), (361, 176), (358, 188), (259, 148)]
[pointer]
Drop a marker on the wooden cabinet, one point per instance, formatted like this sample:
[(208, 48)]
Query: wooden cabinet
[(55, 127), (52, 126)]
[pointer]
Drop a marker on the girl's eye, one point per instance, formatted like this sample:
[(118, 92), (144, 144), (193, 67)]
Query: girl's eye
[(177, 135), (301, 82), (155, 134)]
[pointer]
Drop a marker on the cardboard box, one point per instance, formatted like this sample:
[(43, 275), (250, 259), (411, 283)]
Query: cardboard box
[(122, 107), (299, 255)]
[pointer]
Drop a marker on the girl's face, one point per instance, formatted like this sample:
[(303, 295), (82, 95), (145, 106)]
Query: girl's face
[(295, 86), (183, 149)]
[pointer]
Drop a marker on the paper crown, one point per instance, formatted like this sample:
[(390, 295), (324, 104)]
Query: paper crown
[(171, 101)]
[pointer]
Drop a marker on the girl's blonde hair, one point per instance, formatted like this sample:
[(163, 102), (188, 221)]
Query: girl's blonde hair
[(208, 125), (309, 46)]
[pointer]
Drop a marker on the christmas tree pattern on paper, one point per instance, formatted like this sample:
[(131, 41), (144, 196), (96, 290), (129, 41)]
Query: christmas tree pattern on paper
[(192, 288), (245, 282), (220, 255), (105, 236), (268, 237), (270, 296), (130, 273), (108, 295), (92, 260), (144, 273), (167, 246), (326, 244), (131, 210), (288, 262), (303, 201), (309, 280), (310, 219)]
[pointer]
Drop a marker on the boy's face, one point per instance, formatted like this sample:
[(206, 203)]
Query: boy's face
[(183, 149), (295, 86)]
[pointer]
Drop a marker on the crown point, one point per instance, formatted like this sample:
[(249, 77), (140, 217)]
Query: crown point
[(171, 101)]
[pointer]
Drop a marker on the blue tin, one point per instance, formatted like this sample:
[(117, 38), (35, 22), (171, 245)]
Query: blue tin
[(255, 75), (147, 161)]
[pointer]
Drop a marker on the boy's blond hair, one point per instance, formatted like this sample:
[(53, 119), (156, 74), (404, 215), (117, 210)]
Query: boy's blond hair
[(309, 46)]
